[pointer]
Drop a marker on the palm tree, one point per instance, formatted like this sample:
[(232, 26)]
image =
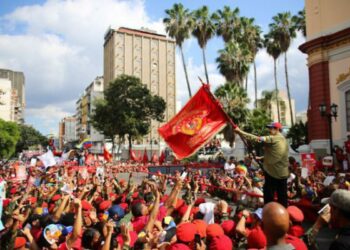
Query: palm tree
[(235, 100), (227, 23), (233, 62), (251, 35), (283, 29), (274, 50), (178, 25), (300, 23), (203, 30)]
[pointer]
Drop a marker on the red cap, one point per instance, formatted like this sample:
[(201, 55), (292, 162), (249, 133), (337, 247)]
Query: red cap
[(256, 238), (20, 242), (220, 242), (276, 125), (185, 232), (201, 227), (124, 206), (229, 227), (104, 205), (178, 246), (56, 197), (214, 230), (86, 205), (295, 214)]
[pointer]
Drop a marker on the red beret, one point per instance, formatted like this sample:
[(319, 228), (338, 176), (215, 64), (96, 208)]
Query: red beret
[(214, 230), (20, 242), (124, 206), (256, 238), (201, 227), (295, 214), (56, 197), (178, 246), (229, 227), (220, 242), (185, 232), (86, 205), (104, 205)]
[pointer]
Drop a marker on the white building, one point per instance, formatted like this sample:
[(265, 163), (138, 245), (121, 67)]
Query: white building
[(6, 107)]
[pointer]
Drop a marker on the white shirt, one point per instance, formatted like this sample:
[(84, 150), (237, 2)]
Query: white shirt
[(229, 168)]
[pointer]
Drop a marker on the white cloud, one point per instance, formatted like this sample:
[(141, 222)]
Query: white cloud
[(59, 47)]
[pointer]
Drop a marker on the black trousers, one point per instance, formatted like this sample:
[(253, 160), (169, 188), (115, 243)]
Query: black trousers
[(273, 185)]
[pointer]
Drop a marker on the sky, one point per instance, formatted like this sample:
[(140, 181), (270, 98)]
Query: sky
[(58, 45)]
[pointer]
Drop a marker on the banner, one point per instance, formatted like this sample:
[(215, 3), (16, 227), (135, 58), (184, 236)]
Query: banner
[(308, 161), (200, 119), (21, 173)]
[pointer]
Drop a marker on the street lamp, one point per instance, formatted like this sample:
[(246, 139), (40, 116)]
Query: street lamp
[(333, 113)]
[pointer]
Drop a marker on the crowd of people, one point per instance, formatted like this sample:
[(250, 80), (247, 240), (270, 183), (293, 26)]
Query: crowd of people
[(75, 207)]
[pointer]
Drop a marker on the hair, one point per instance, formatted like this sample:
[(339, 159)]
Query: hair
[(136, 209), (148, 197), (87, 239)]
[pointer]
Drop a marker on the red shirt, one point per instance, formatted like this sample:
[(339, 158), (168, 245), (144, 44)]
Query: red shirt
[(296, 230), (297, 243), (256, 238), (139, 223)]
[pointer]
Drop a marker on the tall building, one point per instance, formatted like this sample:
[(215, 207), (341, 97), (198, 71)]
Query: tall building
[(147, 55), (284, 109), (67, 131), (84, 108), (328, 48), (17, 93)]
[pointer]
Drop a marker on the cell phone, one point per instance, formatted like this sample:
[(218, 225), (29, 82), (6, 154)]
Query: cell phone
[(323, 209)]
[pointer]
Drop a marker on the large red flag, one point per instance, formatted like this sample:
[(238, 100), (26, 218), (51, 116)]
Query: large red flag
[(200, 119)]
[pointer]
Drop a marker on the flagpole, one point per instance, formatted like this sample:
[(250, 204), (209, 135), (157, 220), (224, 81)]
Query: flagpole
[(229, 119)]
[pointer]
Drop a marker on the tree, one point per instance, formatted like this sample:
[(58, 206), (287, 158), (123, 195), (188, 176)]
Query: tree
[(127, 109), (300, 23), (29, 137), (203, 30), (178, 25), (233, 62), (227, 23), (283, 29), (251, 36), (9, 136), (273, 49), (235, 100), (298, 133)]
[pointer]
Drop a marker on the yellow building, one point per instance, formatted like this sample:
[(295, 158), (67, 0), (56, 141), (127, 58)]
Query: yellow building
[(147, 55), (328, 49)]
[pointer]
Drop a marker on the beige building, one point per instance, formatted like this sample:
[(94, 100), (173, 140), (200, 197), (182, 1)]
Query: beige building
[(17, 93), (67, 131), (147, 55), (328, 49), (285, 117)]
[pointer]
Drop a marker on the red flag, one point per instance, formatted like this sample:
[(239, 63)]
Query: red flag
[(132, 155), (145, 157), (106, 155), (162, 158), (200, 119), (154, 158)]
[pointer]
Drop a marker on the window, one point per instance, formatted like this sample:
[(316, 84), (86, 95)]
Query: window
[(347, 105)]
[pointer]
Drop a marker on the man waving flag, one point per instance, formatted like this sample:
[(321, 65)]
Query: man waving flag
[(200, 119)]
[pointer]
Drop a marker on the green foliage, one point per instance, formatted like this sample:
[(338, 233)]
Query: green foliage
[(234, 60), (300, 23), (256, 122), (9, 136), (127, 109), (203, 28), (29, 137), (298, 133), (234, 100), (227, 23)]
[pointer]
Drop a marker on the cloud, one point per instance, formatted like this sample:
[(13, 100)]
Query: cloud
[(59, 47)]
